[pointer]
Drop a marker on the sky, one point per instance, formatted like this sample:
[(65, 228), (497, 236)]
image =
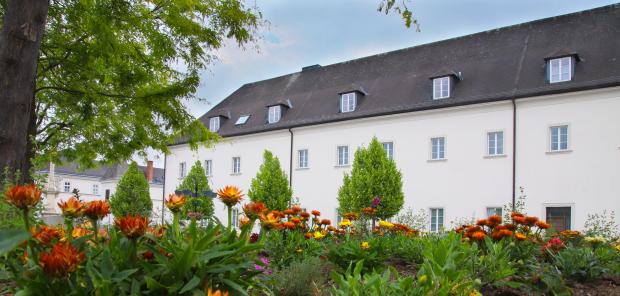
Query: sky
[(306, 32)]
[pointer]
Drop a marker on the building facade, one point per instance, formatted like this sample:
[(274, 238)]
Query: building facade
[(471, 122)]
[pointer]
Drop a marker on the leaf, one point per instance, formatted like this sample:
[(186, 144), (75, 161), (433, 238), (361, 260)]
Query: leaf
[(121, 276), (235, 286), (190, 285), (11, 238)]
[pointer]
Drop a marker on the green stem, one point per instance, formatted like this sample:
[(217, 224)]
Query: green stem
[(133, 253), (69, 223), (26, 219), (229, 217), (95, 228), (175, 225)]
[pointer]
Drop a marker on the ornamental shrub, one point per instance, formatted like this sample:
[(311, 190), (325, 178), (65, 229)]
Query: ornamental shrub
[(373, 175), (132, 194), (196, 181), (271, 185)]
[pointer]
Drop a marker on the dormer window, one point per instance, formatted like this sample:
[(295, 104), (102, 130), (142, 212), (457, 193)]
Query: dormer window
[(242, 119), (275, 113), (348, 102), (560, 69), (214, 124), (441, 87)]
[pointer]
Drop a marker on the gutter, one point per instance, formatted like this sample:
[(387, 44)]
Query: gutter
[(514, 153), (163, 193)]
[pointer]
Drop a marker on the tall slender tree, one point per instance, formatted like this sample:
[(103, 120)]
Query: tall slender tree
[(270, 185), (196, 182)]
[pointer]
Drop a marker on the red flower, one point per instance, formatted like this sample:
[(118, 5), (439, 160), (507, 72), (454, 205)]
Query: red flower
[(326, 222), (254, 209), (288, 225), (97, 209), (46, 234), (482, 222), (316, 213), (23, 197), (288, 212), (132, 226), (61, 260), (296, 220)]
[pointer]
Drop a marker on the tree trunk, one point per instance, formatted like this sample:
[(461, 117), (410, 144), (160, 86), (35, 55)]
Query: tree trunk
[(20, 39)]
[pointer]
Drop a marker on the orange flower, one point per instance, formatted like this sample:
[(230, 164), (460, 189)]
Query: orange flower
[(230, 195), (296, 220), (520, 236), (23, 197), (254, 209), (316, 213), (369, 211), (270, 220), (72, 208), (156, 232), (46, 234), (494, 220), (97, 209), (244, 221), (478, 235), (482, 222), (511, 227), (132, 226), (61, 260), (351, 216), (326, 222), (531, 220), (305, 215), (288, 212), (175, 202), (518, 220), (289, 225), (296, 209), (79, 232), (216, 293), (309, 235), (505, 233), (542, 225)]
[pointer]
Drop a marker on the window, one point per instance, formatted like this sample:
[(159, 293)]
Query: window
[(560, 69), (343, 155), (95, 189), (495, 143), (182, 170), (242, 119), (302, 157), (338, 217), (494, 211), (559, 217), (208, 167), (347, 102), (236, 165), (389, 149), (214, 124), (559, 137), (436, 219), (274, 114), (235, 217), (441, 88), (438, 148), (67, 187)]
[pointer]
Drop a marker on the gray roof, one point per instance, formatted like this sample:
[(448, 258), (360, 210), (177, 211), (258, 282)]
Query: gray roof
[(495, 65), (104, 172)]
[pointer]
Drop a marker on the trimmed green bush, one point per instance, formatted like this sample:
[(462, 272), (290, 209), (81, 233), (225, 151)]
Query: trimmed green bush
[(196, 180), (132, 194), (270, 185)]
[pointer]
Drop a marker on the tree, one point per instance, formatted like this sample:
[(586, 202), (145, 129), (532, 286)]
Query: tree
[(132, 194), (373, 175), (196, 181), (270, 185)]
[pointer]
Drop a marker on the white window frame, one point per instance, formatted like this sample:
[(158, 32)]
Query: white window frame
[(495, 149), (182, 169), (438, 227), (441, 87), (302, 162), (95, 189), (550, 146), (345, 158), (66, 186), (235, 217), (348, 102), (236, 165), (562, 63), (431, 150), (501, 210), (389, 150), (274, 114), (214, 123), (209, 167), (242, 119)]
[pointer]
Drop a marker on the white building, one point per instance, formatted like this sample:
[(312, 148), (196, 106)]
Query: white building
[(468, 122), (95, 184)]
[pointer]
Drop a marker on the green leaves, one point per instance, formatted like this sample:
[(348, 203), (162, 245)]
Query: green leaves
[(270, 185), (11, 238), (132, 194), (196, 179)]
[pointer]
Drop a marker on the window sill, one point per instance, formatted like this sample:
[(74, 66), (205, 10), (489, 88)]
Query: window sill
[(495, 156), (235, 174), (437, 160), (559, 151), (342, 166), (302, 169), (442, 98)]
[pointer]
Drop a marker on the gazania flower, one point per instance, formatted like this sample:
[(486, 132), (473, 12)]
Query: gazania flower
[(288, 225), (97, 209), (304, 215), (254, 209), (288, 212), (244, 221), (326, 222), (148, 255), (79, 232), (295, 220), (230, 195), (132, 226), (520, 236), (346, 223), (519, 220), (296, 209), (156, 232), (61, 260), (531, 220), (542, 225), (72, 207), (351, 216), (175, 202), (46, 234), (316, 213), (365, 246), (270, 220), (308, 235), (478, 235), (23, 197), (331, 228), (494, 220), (318, 235), (505, 233), (369, 211), (216, 293), (510, 227), (482, 222), (385, 224)]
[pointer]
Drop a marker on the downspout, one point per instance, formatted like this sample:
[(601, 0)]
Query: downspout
[(290, 165), (163, 193), (514, 153)]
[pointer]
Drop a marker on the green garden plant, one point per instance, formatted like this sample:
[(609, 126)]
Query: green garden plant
[(132, 194), (196, 182), (270, 185)]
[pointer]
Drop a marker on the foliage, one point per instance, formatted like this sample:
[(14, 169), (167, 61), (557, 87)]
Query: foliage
[(270, 185), (602, 224), (579, 264), (401, 8), (406, 248), (418, 221), (300, 278), (348, 252), (519, 205), (132, 194), (373, 175), (285, 248), (495, 266), (354, 282), (196, 180)]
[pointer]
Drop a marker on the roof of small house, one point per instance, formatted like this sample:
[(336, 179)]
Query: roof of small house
[(103, 172)]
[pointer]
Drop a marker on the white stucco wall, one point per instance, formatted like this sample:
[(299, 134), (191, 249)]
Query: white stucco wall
[(468, 181)]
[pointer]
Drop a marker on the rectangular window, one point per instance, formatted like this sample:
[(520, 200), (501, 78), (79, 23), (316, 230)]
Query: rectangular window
[(559, 137), (302, 157), (559, 217), (389, 149), (67, 187), (274, 114), (95, 189), (343, 155), (214, 124), (182, 170), (208, 167), (236, 165), (494, 211), (347, 102), (436, 219), (495, 143), (441, 88), (438, 148), (560, 69), (235, 217), (242, 119)]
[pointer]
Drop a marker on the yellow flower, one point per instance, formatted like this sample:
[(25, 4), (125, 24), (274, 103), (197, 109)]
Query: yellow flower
[(345, 223), (475, 293), (594, 240), (618, 248), (365, 246), (318, 235), (386, 224), (175, 202), (422, 279), (230, 195), (72, 207)]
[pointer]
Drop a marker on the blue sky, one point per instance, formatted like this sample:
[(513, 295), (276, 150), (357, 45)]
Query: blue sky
[(308, 32)]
